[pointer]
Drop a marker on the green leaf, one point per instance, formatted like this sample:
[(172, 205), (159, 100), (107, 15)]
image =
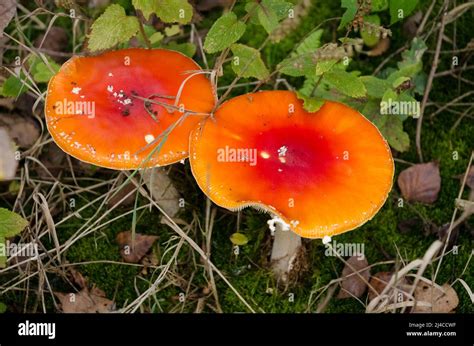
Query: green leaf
[(401, 9), (268, 12), (111, 28), (169, 11), (310, 43), (391, 127), (370, 38), (3, 308), (187, 48), (310, 103), (247, 62), (172, 30), (11, 223), (346, 83), (399, 81), (13, 87), (239, 239), (376, 87), (41, 72), (351, 10), (156, 38), (223, 33), (379, 5)]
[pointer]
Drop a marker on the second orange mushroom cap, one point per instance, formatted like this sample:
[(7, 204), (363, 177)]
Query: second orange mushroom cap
[(323, 173)]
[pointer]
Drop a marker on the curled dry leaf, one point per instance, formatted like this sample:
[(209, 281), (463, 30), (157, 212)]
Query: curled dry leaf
[(441, 300), (85, 301), (380, 48), (354, 285), (420, 183), (8, 164), (380, 280), (133, 250), (22, 130)]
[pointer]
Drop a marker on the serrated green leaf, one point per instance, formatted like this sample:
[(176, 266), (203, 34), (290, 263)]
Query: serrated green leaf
[(351, 10), (111, 28), (169, 11), (187, 48), (223, 33), (310, 103), (239, 239), (391, 127), (346, 83), (268, 12), (370, 38), (247, 62), (401, 9), (399, 81), (376, 87), (310, 43), (11, 223)]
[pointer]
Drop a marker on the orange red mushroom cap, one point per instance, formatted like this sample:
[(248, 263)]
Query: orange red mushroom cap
[(127, 109), (322, 173)]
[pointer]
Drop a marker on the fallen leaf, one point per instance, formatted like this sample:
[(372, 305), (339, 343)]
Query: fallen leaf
[(421, 182), (8, 164), (78, 278), (442, 300), (380, 280), (162, 190), (354, 285), (85, 301), (22, 130), (7, 12), (133, 250)]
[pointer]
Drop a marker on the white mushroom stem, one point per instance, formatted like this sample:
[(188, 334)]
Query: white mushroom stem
[(286, 246)]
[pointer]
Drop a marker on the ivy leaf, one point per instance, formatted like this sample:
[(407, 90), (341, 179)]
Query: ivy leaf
[(310, 103), (351, 10), (225, 31), (400, 9), (111, 28), (11, 223), (376, 87), (247, 62), (13, 87), (302, 62), (346, 83), (169, 11)]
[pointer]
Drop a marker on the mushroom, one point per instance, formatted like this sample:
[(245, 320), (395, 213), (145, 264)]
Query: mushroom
[(129, 108), (319, 174)]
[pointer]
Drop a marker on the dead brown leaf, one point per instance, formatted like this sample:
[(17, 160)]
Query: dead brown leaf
[(380, 280), (85, 301), (354, 285), (133, 250), (23, 130), (442, 300), (420, 182), (7, 12), (162, 189), (8, 164)]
